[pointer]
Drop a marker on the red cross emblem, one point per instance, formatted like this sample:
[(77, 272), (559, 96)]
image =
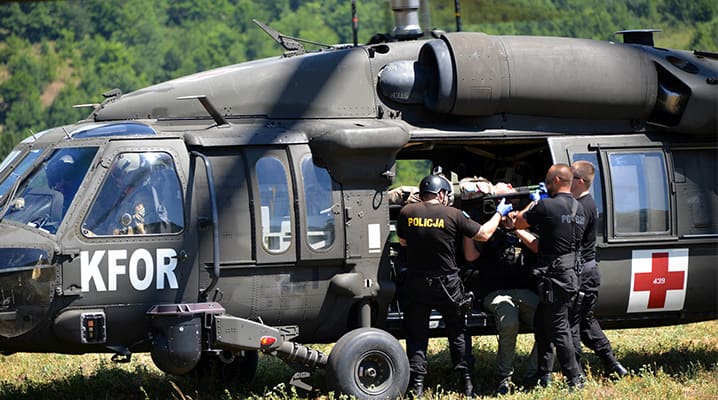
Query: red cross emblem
[(658, 281)]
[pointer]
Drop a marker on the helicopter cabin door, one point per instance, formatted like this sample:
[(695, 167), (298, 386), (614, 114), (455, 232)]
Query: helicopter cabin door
[(276, 206), (132, 228), (657, 222), (296, 207), (321, 227)]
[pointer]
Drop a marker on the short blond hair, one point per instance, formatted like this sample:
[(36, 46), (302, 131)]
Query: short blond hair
[(584, 170)]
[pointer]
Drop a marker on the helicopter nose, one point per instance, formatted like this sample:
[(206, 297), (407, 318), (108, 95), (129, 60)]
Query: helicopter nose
[(27, 284)]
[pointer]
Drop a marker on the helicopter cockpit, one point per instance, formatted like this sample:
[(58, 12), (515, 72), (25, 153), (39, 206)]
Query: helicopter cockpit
[(43, 198)]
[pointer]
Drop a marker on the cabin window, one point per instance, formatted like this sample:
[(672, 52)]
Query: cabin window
[(596, 185), (640, 192), (141, 195), (696, 191), (318, 205), (275, 204)]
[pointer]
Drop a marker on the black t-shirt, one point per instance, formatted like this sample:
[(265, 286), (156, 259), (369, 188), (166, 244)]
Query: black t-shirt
[(588, 243), (552, 216), (432, 232), (504, 264)]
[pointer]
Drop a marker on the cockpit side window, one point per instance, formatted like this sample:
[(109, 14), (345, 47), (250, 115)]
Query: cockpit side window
[(11, 178), (9, 159), (44, 198), (318, 203), (141, 195)]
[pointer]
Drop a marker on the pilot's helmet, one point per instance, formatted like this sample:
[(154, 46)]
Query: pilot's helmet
[(130, 169), (434, 184), (59, 169)]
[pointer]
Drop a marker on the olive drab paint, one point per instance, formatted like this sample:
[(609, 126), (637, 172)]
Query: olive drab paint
[(265, 220)]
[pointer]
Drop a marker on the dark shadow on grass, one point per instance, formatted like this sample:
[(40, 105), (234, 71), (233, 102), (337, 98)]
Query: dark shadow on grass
[(273, 376), (676, 362), (681, 363), (112, 382), (106, 383)]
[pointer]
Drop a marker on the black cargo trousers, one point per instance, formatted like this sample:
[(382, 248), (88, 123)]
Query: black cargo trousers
[(585, 328), (425, 293), (557, 289)]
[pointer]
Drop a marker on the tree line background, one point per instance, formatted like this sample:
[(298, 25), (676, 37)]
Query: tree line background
[(55, 54)]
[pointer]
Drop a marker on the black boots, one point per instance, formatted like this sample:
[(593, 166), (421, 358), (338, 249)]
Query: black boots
[(504, 386), (465, 383), (416, 385), (576, 383), (539, 379), (617, 369)]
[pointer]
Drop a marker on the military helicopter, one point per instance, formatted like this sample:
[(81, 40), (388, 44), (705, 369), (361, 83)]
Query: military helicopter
[(245, 208)]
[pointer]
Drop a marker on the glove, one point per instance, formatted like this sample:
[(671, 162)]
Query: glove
[(535, 195), (540, 193), (503, 208), (543, 190)]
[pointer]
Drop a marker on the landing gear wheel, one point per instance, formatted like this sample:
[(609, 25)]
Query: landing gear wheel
[(368, 363), (228, 365)]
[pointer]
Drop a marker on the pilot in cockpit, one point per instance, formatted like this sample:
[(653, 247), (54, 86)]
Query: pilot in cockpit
[(120, 208), (62, 178)]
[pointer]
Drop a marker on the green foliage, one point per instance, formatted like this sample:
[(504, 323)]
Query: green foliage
[(706, 36), (86, 47), (674, 362), (410, 172)]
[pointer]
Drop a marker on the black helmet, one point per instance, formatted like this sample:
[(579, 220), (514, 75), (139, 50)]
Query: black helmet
[(59, 168), (434, 184)]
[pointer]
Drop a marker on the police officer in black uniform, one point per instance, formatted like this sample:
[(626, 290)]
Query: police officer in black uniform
[(585, 327), (560, 221), (431, 232)]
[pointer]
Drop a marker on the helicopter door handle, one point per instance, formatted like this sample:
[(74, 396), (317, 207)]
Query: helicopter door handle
[(69, 254)]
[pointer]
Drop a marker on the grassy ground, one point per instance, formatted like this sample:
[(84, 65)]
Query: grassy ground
[(677, 362)]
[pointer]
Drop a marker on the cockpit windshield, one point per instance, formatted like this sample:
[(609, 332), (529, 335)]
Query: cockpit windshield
[(43, 198), (20, 170)]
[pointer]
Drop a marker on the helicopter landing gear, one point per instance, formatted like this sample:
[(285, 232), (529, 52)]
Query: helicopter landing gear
[(368, 363)]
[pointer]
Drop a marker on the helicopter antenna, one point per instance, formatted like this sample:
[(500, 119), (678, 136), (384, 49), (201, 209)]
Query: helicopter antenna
[(67, 134), (291, 44), (209, 107), (109, 96), (32, 134), (457, 12), (355, 22)]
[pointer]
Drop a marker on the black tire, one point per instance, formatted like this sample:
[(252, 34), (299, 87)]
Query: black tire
[(368, 363), (229, 366)]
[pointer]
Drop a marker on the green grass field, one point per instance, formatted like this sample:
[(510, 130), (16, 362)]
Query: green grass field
[(675, 362)]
